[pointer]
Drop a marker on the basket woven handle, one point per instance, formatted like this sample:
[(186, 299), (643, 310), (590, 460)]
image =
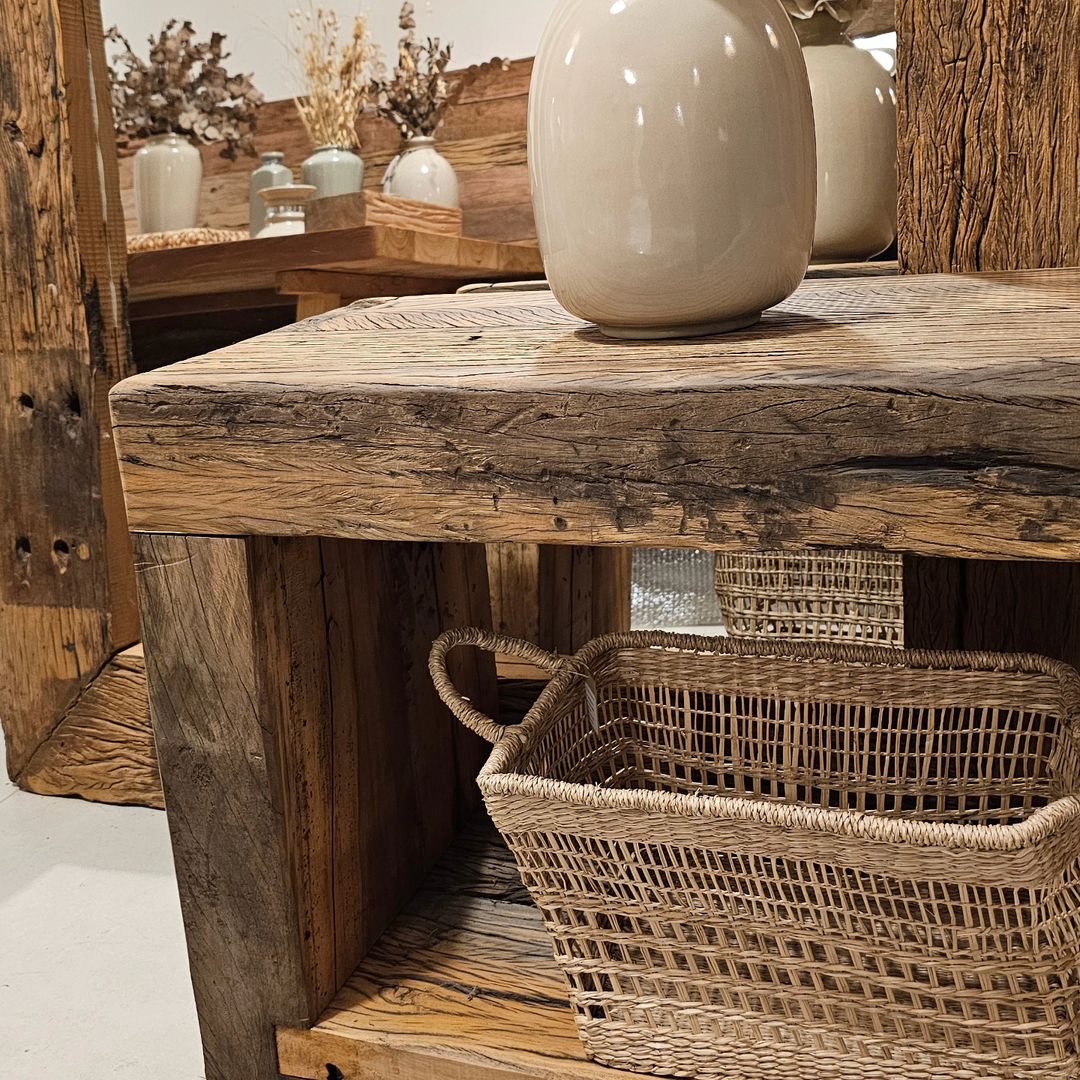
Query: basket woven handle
[(460, 706)]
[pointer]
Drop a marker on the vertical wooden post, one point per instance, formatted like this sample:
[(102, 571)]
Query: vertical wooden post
[(989, 155), (67, 602), (312, 775)]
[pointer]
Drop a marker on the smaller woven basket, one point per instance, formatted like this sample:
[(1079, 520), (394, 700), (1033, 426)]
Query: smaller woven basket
[(821, 595), (786, 862)]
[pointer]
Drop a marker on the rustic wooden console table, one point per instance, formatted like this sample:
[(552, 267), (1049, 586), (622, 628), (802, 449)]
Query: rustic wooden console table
[(309, 510)]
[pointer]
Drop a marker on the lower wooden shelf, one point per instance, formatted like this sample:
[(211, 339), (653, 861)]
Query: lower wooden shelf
[(462, 987)]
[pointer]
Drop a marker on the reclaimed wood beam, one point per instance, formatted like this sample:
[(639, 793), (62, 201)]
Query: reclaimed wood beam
[(67, 596)]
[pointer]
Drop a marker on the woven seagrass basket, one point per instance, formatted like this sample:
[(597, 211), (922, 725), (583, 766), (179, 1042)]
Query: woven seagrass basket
[(821, 595), (792, 862)]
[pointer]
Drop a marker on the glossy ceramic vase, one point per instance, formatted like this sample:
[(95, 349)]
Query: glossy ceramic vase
[(422, 174), (332, 170), (285, 209), (168, 176), (855, 114), (273, 172), (671, 150)]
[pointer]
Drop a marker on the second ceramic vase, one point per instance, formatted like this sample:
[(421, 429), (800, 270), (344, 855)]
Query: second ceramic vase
[(671, 150), (332, 170), (855, 113), (421, 173)]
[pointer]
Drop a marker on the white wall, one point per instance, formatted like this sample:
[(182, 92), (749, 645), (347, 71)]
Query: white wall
[(257, 30)]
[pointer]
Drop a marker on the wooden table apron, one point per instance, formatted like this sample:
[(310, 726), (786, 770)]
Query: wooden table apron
[(309, 510)]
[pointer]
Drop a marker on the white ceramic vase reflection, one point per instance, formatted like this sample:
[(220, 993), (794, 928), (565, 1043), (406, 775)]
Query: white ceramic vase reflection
[(671, 149), (855, 114), (422, 174), (168, 176)]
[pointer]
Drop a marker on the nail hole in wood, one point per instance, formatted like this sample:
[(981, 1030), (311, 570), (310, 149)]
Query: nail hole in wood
[(22, 547), (62, 555), (334, 1073), (26, 402), (74, 404)]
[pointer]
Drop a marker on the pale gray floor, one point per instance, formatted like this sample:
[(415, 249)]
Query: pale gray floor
[(93, 974)]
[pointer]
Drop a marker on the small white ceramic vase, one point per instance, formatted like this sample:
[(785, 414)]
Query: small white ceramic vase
[(422, 174), (285, 206), (332, 170), (671, 149), (855, 114), (168, 176), (273, 172)]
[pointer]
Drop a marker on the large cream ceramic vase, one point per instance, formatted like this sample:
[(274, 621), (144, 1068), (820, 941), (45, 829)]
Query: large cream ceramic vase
[(671, 147), (855, 112)]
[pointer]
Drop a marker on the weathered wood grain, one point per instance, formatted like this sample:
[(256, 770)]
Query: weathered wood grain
[(989, 134), (103, 748), (312, 777), (926, 414), (990, 179), (374, 208), (66, 600), (483, 137), (371, 250), (462, 987)]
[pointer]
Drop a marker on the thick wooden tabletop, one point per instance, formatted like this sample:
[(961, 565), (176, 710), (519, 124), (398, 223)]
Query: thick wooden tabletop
[(938, 415), (246, 266)]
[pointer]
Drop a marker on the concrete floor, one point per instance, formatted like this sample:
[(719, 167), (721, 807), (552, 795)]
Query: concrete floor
[(93, 972)]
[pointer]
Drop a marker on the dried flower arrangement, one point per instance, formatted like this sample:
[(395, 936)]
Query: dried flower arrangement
[(338, 77), (843, 11), (183, 88), (418, 95)]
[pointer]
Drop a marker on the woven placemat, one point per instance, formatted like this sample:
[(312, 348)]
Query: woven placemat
[(162, 241)]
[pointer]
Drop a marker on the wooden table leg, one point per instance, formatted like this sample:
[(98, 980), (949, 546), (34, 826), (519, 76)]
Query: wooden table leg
[(311, 776), (309, 305)]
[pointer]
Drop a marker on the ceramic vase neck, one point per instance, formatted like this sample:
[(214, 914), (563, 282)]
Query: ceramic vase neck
[(821, 29), (420, 142)]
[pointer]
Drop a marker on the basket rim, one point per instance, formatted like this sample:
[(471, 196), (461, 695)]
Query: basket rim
[(500, 776)]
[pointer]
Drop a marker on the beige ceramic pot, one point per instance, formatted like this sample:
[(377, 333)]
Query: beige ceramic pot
[(855, 113), (671, 148)]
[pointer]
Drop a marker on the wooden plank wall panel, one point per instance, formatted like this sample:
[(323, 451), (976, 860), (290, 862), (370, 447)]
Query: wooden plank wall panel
[(66, 604), (483, 137), (989, 146)]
